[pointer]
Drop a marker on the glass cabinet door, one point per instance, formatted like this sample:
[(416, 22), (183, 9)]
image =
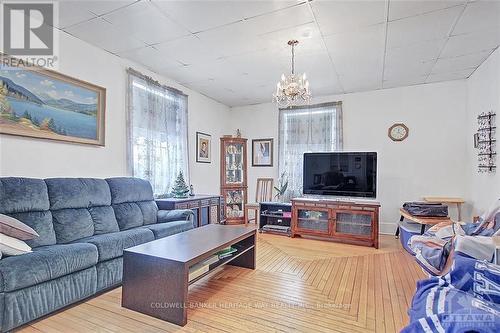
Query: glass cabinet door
[(235, 203), (234, 169), (314, 221), (354, 223)]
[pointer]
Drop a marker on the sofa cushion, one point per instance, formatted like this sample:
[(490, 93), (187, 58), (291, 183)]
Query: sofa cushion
[(81, 208), (128, 215), (23, 195), (27, 200), (41, 222), (161, 230), (149, 211), (45, 263), (104, 220), (128, 189), (111, 245), (133, 202), (72, 224), (77, 193)]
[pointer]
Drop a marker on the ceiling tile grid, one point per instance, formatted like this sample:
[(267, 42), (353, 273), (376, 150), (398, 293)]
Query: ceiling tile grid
[(235, 51)]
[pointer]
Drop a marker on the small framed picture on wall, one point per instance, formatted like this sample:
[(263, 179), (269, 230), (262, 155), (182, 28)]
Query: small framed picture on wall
[(203, 148), (262, 152)]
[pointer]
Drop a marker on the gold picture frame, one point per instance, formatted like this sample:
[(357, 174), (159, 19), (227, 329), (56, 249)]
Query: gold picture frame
[(41, 103)]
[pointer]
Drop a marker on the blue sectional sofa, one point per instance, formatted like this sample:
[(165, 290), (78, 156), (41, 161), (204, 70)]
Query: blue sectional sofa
[(84, 224)]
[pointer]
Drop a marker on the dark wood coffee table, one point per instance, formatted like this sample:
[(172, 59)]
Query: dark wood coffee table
[(155, 274)]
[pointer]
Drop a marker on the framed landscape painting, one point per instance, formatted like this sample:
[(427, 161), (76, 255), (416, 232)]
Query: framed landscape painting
[(41, 103)]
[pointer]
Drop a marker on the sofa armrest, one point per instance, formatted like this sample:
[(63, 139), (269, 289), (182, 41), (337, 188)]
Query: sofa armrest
[(175, 215)]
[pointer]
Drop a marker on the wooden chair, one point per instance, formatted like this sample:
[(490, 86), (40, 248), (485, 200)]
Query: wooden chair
[(263, 193)]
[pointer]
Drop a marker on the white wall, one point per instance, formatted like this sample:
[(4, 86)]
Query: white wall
[(436, 159), (429, 162), (43, 158), (483, 88)]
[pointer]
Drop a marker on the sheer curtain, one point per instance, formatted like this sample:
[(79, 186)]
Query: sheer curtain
[(313, 128), (157, 132)]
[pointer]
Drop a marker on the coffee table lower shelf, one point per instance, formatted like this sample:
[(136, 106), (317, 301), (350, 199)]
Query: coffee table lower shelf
[(223, 262), (156, 274)]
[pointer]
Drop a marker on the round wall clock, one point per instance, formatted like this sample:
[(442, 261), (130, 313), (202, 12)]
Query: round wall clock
[(398, 132)]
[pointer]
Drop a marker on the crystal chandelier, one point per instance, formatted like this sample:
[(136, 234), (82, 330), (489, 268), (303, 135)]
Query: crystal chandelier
[(293, 89)]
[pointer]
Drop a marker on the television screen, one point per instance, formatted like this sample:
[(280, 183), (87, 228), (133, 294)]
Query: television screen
[(346, 174)]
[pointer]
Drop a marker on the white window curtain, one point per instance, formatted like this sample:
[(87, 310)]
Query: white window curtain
[(313, 128), (157, 132)]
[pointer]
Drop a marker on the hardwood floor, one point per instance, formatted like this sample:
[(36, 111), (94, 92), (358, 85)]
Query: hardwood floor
[(300, 285)]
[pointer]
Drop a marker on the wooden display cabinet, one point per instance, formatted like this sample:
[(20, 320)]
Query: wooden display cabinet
[(233, 178), (354, 222)]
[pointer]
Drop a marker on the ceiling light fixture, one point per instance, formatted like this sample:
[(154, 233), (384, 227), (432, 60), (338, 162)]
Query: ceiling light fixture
[(293, 89)]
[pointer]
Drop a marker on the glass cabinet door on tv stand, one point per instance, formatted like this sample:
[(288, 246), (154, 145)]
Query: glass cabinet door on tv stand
[(234, 178)]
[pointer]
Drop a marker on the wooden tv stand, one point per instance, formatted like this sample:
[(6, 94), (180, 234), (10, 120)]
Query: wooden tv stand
[(353, 222)]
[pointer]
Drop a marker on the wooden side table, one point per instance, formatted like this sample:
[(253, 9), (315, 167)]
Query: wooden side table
[(208, 209), (423, 221), (448, 201)]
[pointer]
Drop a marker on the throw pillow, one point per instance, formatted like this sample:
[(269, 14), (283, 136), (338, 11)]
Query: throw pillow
[(10, 246), (14, 228)]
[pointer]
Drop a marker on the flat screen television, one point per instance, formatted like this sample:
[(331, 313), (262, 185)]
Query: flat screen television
[(345, 174)]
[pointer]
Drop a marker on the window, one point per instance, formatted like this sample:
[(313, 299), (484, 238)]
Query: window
[(313, 128), (157, 132)]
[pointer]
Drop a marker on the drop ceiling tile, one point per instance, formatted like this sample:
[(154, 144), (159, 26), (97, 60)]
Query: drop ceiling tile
[(197, 73), (263, 66), (341, 16), (479, 15), (151, 58), (407, 81), (308, 35), (101, 7), (282, 19), (358, 51), (188, 50), (406, 8), (400, 69), (435, 25), (104, 35), (225, 95), (234, 39), (424, 50), (144, 22), (450, 76), (470, 43), (361, 82), (72, 12), (411, 61), (455, 64), (202, 15), (358, 57)]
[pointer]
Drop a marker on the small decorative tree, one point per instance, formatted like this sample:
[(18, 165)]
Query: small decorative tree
[(180, 188)]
